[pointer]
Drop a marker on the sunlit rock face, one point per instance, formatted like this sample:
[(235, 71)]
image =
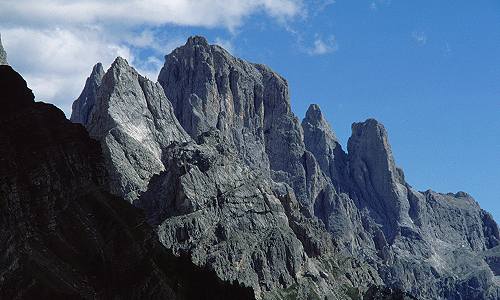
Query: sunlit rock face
[(206, 197), (134, 121), (248, 103), (232, 166), (3, 54)]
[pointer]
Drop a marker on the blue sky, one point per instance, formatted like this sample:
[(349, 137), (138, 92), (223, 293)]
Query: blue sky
[(428, 70)]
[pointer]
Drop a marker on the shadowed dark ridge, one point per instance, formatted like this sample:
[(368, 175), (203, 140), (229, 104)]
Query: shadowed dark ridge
[(61, 234)]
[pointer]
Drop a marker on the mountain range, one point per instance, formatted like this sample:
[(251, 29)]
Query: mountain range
[(205, 184)]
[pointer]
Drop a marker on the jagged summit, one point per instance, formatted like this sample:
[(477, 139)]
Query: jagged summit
[(320, 139), (315, 118), (197, 40), (122, 107), (3, 54), (210, 88), (83, 105)]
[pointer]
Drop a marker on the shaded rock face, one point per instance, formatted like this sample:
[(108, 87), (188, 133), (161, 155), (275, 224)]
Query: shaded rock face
[(360, 196), (3, 54), (134, 121), (209, 89), (215, 208), (61, 234)]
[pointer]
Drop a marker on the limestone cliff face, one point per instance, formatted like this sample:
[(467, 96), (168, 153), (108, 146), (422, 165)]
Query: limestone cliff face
[(83, 106), (236, 182), (360, 195), (445, 233), (3, 54), (378, 182), (321, 141), (248, 103), (212, 206), (134, 122), (62, 235)]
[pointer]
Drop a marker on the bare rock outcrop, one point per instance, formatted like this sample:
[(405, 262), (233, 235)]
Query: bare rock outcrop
[(248, 103), (234, 180), (3, 54), (134, 121)]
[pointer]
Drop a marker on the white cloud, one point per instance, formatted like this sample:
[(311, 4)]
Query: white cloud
[(56, 62), (419, 37), (322, 46), (55, 43), (207, 13)]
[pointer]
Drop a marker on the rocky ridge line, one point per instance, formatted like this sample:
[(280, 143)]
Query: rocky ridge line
[(420, 242)]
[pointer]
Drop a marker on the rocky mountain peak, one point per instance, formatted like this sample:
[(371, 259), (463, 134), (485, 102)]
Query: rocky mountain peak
[(253, 161), (197, 40), (314, 119), (62, 235), (16, 94), (314, 115), (97, 71), (85, 102), (3, 54), (370, 142), (380, 184), (134, 121), (320, 139)]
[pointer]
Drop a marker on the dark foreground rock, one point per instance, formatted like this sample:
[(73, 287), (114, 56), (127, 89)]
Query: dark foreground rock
[(62, 235)]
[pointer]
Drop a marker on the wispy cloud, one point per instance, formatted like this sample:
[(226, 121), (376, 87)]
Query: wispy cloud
[(419, 37), (447, 49), (206, 13), (323, 46), (55, 43), (226, 44), (376, 4)]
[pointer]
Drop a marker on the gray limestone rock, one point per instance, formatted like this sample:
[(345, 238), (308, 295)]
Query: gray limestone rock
[(206, 200), (212, 206), (3, 54), (209, 88), (380, 184), (251, 198), (444, 233), (248, 103), (85, 103), (361, 197), (134, 121), (321, 141)]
